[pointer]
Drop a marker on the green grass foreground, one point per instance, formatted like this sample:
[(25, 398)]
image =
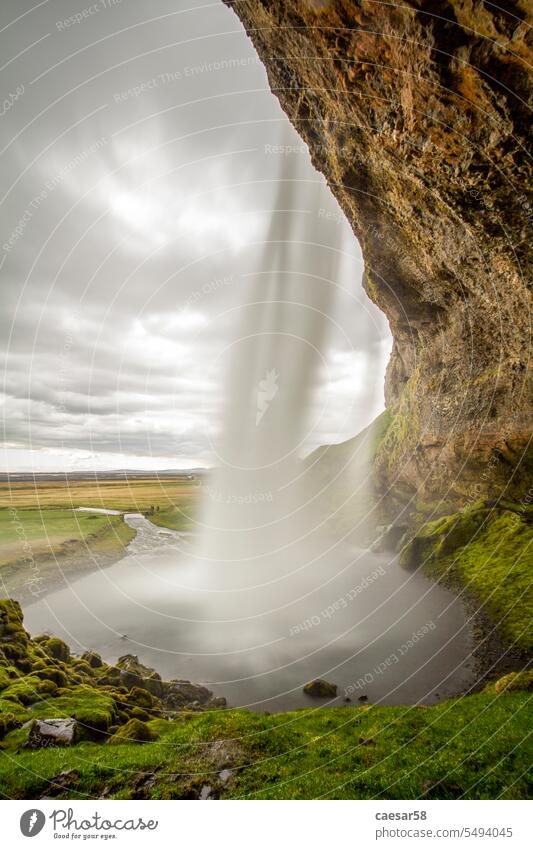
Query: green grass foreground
[(477, 747)]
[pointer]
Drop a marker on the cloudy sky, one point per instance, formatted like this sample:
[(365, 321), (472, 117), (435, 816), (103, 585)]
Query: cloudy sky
[(141, 155)]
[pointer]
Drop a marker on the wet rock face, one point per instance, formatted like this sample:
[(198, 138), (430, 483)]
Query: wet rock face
[(417, 116)]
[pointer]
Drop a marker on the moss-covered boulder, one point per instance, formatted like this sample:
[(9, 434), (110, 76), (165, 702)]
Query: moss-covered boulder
[(13, 638), (56, 648), (28, 689), (93, 659), (139, 713), (514, 681), (134, 674), (141, 698), (320, 689), (50, 673), (135, 731), (8, 722)]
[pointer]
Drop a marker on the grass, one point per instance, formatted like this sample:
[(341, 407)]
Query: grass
[(487, 551), (38, 546), (131, 495), (340, 478), (178, 518), (475, 748), (42, 538)]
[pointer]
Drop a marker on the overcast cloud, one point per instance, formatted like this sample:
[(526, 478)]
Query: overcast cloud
[(137, 186)]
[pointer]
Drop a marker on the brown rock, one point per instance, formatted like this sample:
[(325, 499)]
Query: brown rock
[(433, 176)]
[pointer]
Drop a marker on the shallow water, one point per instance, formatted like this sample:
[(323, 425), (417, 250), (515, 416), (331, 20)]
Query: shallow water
[(364, 624)]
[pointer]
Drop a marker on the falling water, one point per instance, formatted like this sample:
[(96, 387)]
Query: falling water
[(270, 599)]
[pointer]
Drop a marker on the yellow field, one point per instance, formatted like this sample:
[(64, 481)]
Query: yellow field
[(41, 534), (134, 495)]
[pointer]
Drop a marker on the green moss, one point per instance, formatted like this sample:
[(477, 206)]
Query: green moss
[(140, 698), (5, 678), (513, 681), (139, 713), (28, 689), (402, 432), (57, 648), (50, 673), (93, 710), (488, 551), (135, 731)]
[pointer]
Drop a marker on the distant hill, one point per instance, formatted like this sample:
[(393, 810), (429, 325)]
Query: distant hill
[(113, 474)]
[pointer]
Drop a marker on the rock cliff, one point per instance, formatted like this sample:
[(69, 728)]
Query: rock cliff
[(417, 114)]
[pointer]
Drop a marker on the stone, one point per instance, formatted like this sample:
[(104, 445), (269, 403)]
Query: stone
[(93, 659), (426, 153), (134, 674), (320, 689), (45, 733), (181, 694), (134, 731), (57, 649)]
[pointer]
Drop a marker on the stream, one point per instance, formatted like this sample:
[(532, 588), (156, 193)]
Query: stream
[(376, 631)]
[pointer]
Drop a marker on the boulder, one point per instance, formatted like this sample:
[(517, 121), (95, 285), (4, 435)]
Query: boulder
[(94, 660), (45, 733), (135, 674), (56, 648), (135, 731), (181, 694), (320, 689)]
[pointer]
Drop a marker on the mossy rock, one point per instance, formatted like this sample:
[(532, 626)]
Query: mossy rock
[(57, 649), (320, 689), (135, 731), (133, 673), (50, 673), (139, 713), (47, 688), (488, 551), (11, 617), (28, 690), (93, 711), (83, 668), (5, 678), (514, 681), (141, 698), (8, 723), (93, 659)]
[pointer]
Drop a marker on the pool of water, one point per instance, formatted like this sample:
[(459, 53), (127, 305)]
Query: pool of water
[(349, 616)]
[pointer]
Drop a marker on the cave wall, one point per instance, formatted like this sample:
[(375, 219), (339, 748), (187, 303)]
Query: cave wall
[(417, 114)]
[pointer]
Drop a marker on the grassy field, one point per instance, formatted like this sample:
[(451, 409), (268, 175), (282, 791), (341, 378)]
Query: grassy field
[(134, 495), (42, 539), (39, 549)]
